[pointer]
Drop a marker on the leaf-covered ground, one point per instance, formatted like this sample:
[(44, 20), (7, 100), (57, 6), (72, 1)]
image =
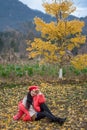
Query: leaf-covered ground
[(63, 100)]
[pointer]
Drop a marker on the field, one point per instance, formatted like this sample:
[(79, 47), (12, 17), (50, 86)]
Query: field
[(63, 100)]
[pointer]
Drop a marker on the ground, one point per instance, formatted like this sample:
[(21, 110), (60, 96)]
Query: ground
[(63, 100)]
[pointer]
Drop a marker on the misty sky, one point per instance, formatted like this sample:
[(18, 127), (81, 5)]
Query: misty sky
[(81, 6)]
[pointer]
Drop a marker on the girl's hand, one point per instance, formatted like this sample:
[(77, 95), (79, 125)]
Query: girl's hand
[(38, 92)]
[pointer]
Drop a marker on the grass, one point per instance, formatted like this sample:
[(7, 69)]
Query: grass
[(44, 70)]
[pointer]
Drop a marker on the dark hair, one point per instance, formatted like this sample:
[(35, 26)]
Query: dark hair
[(29, 100)]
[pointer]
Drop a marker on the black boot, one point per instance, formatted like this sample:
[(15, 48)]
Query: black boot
[(61, 121)]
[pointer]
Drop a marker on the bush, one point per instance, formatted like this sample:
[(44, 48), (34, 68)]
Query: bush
[(44, 70), (84, 70), (30, 71)]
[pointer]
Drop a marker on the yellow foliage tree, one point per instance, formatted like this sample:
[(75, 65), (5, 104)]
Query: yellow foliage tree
[(59, 37), (80, 61)]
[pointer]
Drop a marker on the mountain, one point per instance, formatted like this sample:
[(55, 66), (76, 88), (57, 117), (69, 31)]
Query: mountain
[(14, 12), (85, 27)]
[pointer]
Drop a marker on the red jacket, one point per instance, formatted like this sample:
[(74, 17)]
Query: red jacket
[(37, 100)]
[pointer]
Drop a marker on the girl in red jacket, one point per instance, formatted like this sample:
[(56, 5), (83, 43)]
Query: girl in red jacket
[(33, 107), (30, 105)]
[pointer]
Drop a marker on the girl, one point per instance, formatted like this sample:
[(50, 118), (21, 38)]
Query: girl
[(33, 107)]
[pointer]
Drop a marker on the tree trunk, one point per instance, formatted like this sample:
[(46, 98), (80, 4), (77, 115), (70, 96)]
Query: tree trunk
[(60, 73)]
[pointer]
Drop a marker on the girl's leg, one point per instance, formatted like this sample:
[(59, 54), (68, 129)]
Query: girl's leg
[(43, 114), (48, 113), (44, 107)]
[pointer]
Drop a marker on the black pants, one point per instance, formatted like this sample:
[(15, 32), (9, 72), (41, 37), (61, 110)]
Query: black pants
[(45, 112)]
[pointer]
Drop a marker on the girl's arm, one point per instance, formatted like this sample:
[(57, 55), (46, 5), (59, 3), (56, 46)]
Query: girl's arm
[(37, 100)]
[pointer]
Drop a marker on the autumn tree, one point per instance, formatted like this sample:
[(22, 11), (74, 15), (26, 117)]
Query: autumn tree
[(59, 37), (80, 61)]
